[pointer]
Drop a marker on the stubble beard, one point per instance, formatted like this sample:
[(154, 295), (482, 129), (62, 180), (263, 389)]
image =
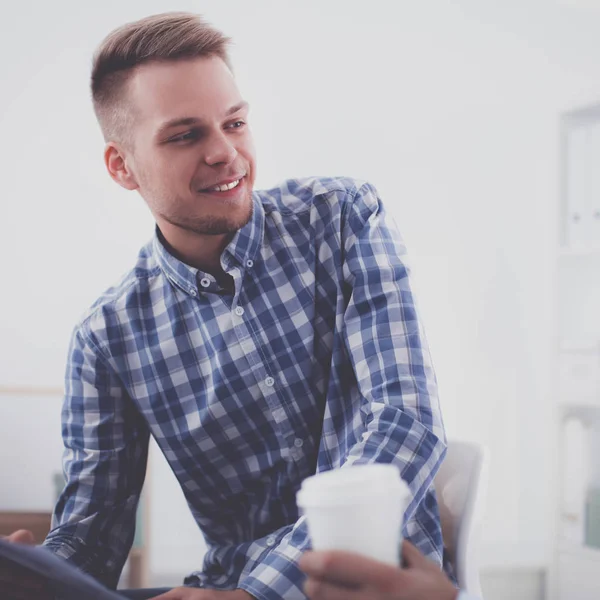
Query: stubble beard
[(213, 225)]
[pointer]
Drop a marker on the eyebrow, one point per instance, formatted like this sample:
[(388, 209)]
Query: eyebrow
[(179, 122)]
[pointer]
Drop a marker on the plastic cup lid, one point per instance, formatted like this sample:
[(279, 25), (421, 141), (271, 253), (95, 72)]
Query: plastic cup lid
[(352, 484)]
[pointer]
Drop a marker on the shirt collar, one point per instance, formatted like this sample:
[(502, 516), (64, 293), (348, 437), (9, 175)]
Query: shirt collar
[(242, 249)]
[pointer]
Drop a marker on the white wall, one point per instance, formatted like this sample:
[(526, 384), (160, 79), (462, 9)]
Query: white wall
[(450, 108), (30, 436)]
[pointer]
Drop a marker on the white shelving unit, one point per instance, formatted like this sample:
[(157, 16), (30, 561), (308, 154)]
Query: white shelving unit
[(576, 573)]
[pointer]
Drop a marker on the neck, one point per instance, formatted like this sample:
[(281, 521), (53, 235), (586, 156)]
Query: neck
[(203, 252)]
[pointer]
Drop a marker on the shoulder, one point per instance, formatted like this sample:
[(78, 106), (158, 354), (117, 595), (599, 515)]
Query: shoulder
[(320, 193), (117, 304)]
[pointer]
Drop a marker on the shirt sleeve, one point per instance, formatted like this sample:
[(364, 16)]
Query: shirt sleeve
[(401, 417), (104, 462), (276, 574), (400, 420)]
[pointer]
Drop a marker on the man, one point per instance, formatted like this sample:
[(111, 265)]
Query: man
[(261, 336), (347, 576)]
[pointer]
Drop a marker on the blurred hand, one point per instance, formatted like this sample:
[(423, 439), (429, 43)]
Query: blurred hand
[(187, 593), (19, 583), (346, 576), (21, 536)]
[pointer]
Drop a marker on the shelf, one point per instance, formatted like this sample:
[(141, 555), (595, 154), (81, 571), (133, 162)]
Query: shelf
[(588, 412), (579, 251), (582, 552), (582, 404)]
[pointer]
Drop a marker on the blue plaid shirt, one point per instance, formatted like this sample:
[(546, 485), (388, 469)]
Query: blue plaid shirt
[(316, 360)]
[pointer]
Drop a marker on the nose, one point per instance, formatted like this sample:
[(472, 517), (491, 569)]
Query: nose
[(220, 150)]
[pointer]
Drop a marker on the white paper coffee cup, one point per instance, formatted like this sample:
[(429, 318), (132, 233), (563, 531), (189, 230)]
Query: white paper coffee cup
[(358, 509)]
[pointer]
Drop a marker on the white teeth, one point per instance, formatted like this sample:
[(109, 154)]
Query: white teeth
[(224, 188)]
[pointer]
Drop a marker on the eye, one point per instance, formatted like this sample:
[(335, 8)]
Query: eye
[(188, 136), (236, 125)]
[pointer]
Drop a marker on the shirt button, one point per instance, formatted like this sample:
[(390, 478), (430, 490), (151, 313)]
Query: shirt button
[(249, 263), (298, 443), (193, 292), (269, 382), (239, 311), (205, 282), (271, 540)]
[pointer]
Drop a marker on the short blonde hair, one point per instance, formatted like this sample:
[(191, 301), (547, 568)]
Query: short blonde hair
[(169, 36)]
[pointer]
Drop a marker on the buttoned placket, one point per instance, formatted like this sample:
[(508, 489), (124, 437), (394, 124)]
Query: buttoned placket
[(291, 444)]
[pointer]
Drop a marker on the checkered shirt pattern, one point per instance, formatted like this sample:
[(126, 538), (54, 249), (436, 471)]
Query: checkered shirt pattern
[(316, 361)]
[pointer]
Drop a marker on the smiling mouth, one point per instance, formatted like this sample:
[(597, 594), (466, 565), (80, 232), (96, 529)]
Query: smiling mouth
[(224, 187)]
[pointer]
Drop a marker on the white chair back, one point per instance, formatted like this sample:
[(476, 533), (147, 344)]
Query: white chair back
[(461, 487)]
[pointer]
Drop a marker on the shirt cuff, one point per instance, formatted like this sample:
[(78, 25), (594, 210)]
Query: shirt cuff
[(278, 575)]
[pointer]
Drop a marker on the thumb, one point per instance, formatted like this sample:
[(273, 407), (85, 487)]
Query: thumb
[(22, 536), (413, 559), (178, 593)]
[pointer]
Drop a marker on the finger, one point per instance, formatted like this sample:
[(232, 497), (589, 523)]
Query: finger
[(22, 536), (347, 568), (413, 558), (174, 594), (317, 589)]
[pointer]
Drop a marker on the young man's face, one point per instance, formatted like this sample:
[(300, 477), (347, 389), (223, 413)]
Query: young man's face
[(190, 134)]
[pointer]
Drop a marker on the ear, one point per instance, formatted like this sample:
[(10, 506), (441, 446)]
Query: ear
[(117, 167)]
